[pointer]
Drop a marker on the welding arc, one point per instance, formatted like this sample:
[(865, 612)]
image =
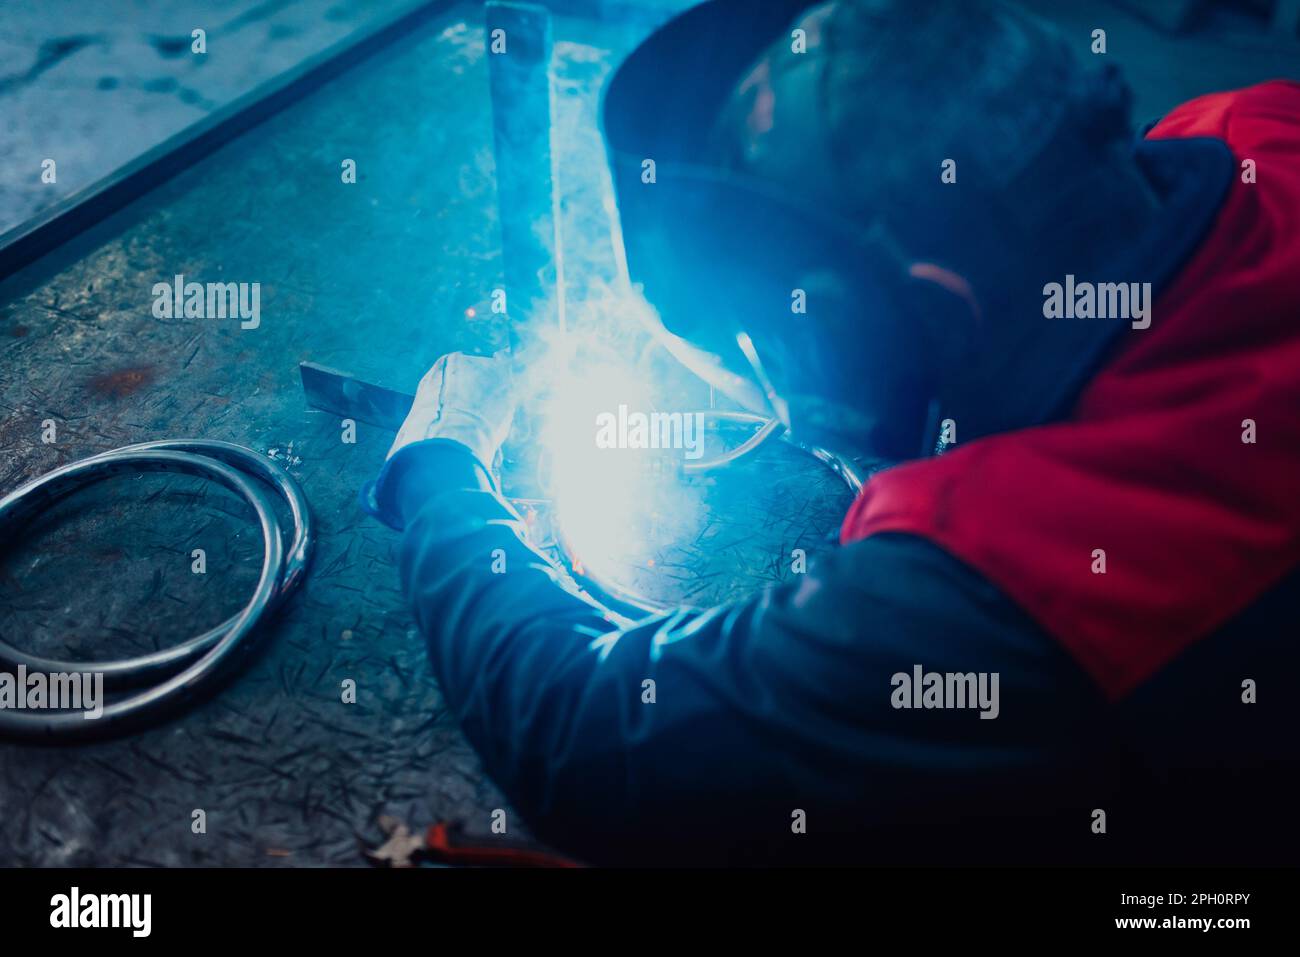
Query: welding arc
[(631, 605), (172, 675)]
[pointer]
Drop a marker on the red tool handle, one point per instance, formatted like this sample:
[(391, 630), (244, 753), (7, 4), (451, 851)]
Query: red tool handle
[(444, 844)]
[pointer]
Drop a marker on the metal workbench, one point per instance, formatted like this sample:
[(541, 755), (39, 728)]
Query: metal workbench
[(373, 277)]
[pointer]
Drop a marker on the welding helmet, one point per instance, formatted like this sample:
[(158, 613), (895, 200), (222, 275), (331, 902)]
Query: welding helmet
[(758, 294), (879, 351)]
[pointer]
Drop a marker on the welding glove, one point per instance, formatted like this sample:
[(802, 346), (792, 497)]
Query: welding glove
[(465, 399)]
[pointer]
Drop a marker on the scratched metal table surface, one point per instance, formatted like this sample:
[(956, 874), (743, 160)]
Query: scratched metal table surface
[(373, 278)]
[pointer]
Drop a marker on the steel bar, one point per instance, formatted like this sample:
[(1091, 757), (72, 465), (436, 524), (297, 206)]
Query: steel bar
[(519, 58)]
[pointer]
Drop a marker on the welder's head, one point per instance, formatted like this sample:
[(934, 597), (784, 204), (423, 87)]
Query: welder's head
[(780, 173)]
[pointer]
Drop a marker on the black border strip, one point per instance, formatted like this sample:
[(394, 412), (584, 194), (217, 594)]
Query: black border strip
[(347, 907)]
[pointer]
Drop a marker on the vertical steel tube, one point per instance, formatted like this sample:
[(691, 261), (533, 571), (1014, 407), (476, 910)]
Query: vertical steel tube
[(519, 55)]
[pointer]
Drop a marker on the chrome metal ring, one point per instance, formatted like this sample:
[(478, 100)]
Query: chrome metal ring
[(174, 673)]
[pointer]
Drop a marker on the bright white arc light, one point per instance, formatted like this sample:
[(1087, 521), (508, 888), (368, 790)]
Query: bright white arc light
[(611, 504)]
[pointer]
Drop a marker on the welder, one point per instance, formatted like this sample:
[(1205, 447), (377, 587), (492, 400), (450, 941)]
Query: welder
[(1099, 515)]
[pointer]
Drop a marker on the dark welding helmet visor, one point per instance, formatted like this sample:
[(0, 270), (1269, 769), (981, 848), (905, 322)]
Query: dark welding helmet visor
[(791, 311)]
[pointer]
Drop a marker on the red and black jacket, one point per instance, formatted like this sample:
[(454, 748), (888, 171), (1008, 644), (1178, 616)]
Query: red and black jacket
[(1123, 691)]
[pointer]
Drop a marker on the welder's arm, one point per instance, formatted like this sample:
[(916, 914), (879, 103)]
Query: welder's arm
[(706, 735)]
